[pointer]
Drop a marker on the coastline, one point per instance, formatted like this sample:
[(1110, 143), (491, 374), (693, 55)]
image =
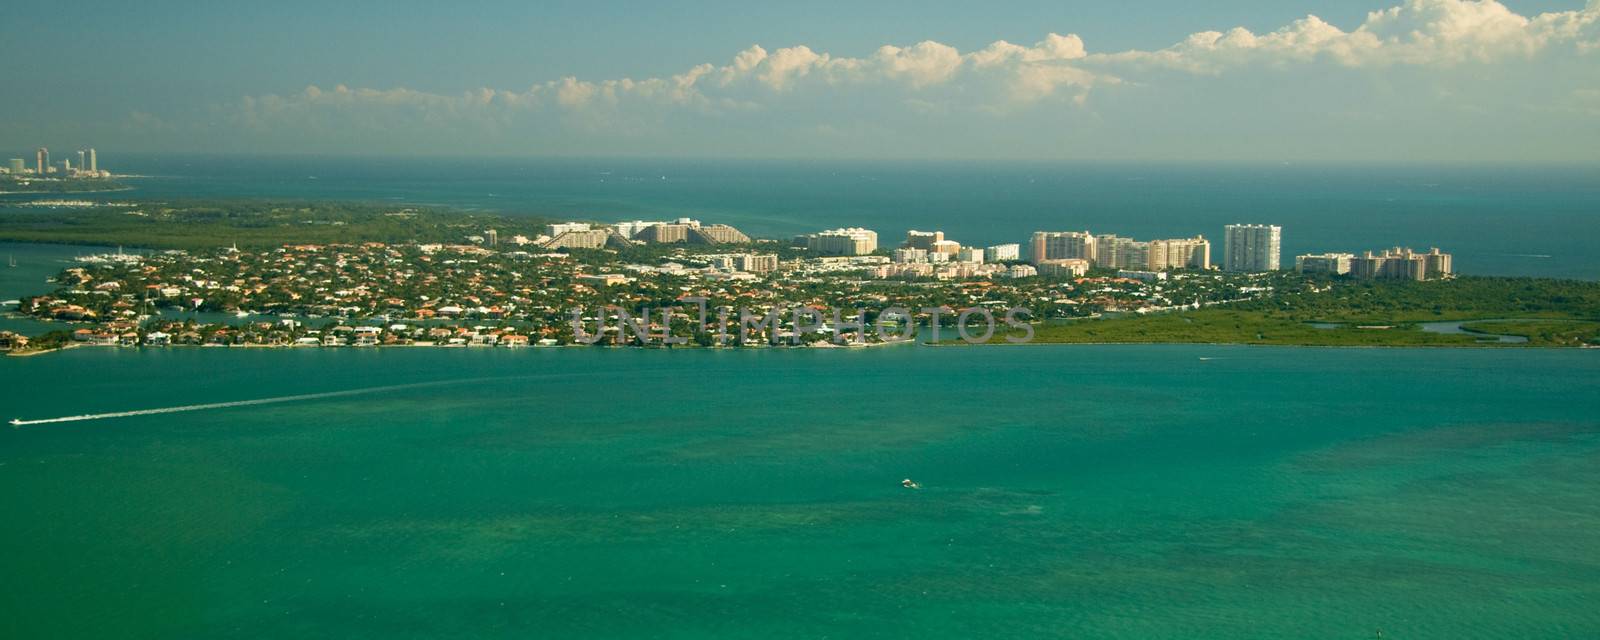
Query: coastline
[(947, 344), (64, 193)]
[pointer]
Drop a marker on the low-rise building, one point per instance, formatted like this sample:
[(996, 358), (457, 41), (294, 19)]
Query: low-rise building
[(756, 263), (909, 255), (1142, 276), (1021, 271), (1063, 268), (604, 279)]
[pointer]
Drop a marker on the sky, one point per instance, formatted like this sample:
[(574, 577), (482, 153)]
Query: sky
[(1225, 80)]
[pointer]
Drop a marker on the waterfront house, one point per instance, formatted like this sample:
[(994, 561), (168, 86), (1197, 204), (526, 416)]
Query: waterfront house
[(10, 340)]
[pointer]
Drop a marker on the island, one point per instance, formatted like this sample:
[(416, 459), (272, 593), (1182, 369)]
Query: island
[(330, 274)]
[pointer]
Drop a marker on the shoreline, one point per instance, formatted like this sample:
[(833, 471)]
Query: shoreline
[(957, 344), (63, 193)]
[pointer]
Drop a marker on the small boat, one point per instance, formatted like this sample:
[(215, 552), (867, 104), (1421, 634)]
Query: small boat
[(910, 484)]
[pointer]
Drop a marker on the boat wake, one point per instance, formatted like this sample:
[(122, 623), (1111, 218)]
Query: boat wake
[(237, 403)]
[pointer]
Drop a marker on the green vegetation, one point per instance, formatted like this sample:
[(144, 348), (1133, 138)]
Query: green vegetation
[(212, 224), (1404, 301), (1368, 313), (1547, 333)]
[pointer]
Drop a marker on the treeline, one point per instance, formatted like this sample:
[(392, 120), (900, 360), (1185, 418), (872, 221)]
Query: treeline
[(257, 224), (1463, 298)]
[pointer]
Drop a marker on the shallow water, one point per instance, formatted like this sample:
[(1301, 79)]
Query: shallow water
[(1116, 491)]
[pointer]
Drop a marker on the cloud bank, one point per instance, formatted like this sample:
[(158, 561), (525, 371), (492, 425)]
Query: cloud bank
[(1459, 58)]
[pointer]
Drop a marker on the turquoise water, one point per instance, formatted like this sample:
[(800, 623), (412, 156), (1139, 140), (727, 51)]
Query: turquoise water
[(1496, 220), (1117, 492)]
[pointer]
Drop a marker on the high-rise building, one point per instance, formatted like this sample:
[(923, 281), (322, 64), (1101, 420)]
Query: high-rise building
[(1251, 247), (717, 234), (81, 157), (1181, 253), (663, 233), (630, 229), (1003, 252), (1402, 264), (580, 239), (559, 228), (947, 247), (94, 165), (1057, 245), (491, 237), (1334, 263), (42, 156), (922, 239), (970, 254), (1113, 252), (18, 166), (853, 241)]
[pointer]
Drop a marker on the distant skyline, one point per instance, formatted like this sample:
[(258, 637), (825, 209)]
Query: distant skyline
[(1234, 80)]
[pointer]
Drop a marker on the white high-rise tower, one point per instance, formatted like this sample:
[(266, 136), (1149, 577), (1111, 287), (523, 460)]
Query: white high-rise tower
[(1251, 247)]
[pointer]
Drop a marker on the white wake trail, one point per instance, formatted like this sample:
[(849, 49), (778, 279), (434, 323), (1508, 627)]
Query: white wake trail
[(237, 403)]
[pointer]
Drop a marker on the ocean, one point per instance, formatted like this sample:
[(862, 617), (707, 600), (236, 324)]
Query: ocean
[(1084, 491), (1078, 491), (1533, 221)]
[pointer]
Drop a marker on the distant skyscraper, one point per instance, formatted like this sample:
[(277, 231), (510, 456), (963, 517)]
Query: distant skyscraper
[(1251, 247), (492, 237), (42, 160), (18, 166), (81, 157), (94, 165)]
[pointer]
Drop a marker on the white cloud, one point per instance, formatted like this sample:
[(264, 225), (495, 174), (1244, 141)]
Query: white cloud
[(933, 81), (1419, 32)]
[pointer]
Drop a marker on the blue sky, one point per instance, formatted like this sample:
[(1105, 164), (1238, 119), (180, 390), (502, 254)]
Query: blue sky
[(1428, 80)]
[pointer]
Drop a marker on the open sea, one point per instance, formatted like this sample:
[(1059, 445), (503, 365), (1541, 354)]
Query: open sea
[(1522, 220), (1066, 491), (1073, 491)]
